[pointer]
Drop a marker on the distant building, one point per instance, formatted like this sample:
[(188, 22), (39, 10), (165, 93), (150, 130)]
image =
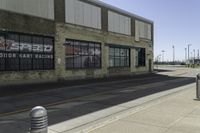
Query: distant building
[(71, 39)]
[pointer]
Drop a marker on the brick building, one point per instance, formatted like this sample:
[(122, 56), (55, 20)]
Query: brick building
[(71, 39)]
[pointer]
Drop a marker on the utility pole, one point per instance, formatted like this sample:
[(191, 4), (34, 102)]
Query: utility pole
[(173, 54), (194, 53)]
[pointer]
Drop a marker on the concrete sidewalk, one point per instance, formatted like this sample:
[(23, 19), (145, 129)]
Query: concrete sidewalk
[(172, 111), (178, 113)]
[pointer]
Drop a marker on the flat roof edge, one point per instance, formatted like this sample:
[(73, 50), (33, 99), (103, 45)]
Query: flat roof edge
[(98, 2)]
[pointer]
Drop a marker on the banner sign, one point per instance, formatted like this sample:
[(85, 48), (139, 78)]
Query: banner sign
[(19, 49)]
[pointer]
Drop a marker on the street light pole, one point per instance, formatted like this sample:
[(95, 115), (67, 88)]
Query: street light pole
[(173, 54), (185, 54), (163, 55), (189, 51)]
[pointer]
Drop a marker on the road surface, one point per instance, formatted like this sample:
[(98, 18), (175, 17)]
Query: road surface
[(65, 103)]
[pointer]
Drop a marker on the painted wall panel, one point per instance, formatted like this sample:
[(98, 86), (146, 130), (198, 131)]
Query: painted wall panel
[(110, 22), (70, 11), (122, 24), (50, 6), (94, 14), (143, 30), (129, 26), (39, 8), (146, 30), (87, 13), (82, 14), (141, 27), (116, 23), (79, 12), (99, 18), (149, 31), (137, 31), (119, 23)]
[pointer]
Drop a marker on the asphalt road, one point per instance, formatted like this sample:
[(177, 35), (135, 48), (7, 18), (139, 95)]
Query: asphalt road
[(65, 103)]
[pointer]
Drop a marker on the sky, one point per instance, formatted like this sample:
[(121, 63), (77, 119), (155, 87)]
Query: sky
[(176, 22)]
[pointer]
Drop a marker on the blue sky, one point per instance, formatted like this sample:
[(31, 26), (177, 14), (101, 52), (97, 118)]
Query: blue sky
[(177, 22)]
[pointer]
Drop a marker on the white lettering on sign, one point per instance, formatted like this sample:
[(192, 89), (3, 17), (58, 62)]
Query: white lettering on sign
[(11, 45), (25, 47), (25, 55), (8, 55)]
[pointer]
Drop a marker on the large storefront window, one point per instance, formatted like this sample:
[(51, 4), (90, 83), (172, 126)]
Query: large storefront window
[(141, 57), (119, 57), (82, 54), (19, 52)]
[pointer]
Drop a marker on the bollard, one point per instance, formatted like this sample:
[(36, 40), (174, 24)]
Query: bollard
[(198, 86), (39, 120)]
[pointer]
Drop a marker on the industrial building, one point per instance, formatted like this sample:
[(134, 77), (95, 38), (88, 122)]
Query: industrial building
[(71, 39)]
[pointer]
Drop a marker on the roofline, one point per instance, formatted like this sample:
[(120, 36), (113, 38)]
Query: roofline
[(100, 3)]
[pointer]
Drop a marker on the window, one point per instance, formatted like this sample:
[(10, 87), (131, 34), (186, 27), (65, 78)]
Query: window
[(12, 52), (19, 52), (119, 57), (2, 51), (48, 53), (82, 54), (141, 57), (25, 52), (38, 52)]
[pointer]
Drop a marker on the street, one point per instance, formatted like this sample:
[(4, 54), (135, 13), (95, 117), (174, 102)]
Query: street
[(66, 103)]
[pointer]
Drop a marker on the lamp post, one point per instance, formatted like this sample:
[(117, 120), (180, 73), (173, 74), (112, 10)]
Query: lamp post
[(163, 52), (185, 55), (173, 54), (189, 51)]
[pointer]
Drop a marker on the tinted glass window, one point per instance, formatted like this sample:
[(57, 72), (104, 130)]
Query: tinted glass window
[(82, 54), (119, 57), (25, 52)]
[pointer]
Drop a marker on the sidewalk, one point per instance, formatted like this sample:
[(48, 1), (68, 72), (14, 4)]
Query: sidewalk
[(179, 113), (172, 111)]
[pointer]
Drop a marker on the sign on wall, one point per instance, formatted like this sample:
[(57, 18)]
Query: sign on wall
[(26, 52)]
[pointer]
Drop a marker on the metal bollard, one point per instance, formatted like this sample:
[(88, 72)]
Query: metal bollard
[(39, 120), (198, 86)]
